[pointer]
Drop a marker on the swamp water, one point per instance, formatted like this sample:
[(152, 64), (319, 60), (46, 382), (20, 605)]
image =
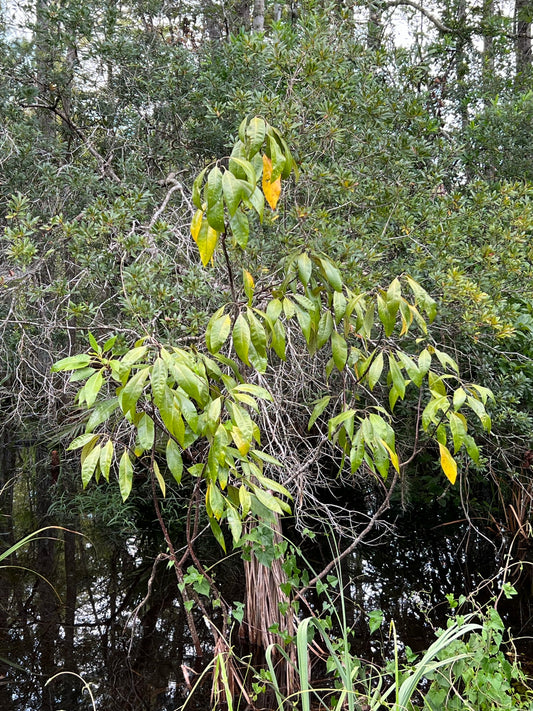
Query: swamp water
[(138, 655)]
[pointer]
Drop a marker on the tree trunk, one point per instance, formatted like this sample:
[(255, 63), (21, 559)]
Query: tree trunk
[(523, 19), (375, 25), (259, 15)]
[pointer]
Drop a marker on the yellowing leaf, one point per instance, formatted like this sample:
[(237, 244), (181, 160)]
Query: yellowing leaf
[(206, 241), (272, 191), (196, 223), (448, 463)]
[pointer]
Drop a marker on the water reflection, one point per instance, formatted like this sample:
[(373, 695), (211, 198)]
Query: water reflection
[(134, 652)]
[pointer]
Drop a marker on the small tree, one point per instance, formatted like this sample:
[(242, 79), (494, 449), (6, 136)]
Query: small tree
[(157, 405)]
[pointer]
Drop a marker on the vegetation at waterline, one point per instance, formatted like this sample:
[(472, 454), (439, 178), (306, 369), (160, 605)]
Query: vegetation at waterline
[(358, 344)]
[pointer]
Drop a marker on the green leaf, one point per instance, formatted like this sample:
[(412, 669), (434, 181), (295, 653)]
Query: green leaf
[(91, 389), (396, 375), (386, 315), (215, 216), (158, 379), (318, 409), (339, 306), (375, 370), (333, 275), (240, 228), (375, 619), (241, 338), (106, 457), (458, 430), (279, 339), (193, 384), (277, 157), (146, 431), (446, 361), (215, 500), (174, 460), (101, 412), (214, 186), (133, 390), (257, 202), (89, 465), (480, 411), (424, 361), (234, 522), (325, 329), (256, 391), (255, 135), (459, 398), (305, 267), (72, 363), (410, 366), (304, 320), (273, 310), (234, 192), (217, 331), (125, 475), (423, 298), (197, 190), (81, 441), (257, 333), (217, 532), (339, 350), (244, 171)]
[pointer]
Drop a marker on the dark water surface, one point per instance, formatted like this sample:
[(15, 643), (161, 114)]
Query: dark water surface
[(135, 655)]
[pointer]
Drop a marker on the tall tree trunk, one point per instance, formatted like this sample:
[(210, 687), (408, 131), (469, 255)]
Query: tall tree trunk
[(375, 25), (44, 68), (523, 21), (259, 15)]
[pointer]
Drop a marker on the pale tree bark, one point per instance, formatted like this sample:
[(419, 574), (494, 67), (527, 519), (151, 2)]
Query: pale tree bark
[(259, 16)]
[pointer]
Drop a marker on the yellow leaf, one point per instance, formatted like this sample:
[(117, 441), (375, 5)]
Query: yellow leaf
[(392, 454), (206, 241), (196, 223), (448, 463), (272, 191)]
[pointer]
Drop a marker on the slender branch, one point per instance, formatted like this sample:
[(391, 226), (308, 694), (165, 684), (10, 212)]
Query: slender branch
[(353, 545), (427, 14)]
